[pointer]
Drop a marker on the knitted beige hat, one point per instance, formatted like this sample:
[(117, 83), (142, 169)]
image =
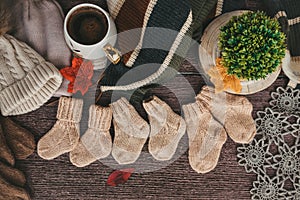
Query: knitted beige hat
[(39, 23), (27, 81)]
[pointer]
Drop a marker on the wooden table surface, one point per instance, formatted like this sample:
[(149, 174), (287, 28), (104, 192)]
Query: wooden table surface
[(60, 180)]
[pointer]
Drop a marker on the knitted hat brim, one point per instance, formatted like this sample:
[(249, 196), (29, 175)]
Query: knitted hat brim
[(31, 92)]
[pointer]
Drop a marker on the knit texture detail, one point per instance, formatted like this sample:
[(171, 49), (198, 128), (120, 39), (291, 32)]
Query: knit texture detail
[(280, 14), (96, 142), (131, 132), (128, 44), (288, 14), (167, 128), (114, 7), (69, 109), (232, 111), (206, 137), (201, 9), (40, 25), (27, 81), (64, 135), (167, 15), (224, 6), (219, 7), (122, 111), (137, 50), (153, 77), (100, 118)]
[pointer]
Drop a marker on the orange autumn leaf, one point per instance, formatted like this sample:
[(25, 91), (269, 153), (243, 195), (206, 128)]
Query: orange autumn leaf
[(79, 75), (83, 78), (222, 80), (70, 73)]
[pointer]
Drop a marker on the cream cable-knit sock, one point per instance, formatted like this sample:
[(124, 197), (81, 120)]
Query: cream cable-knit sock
[(233, 111), (131, 132), (96, 143), (64, 135), (206, 137), (167, 128)]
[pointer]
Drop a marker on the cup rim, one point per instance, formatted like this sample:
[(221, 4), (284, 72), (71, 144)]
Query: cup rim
[(70, 12)]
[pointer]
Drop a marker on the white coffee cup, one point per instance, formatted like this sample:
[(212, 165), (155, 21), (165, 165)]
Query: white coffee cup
[(94, 52)]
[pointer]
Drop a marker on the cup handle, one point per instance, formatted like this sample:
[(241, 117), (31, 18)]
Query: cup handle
[(112, 54)]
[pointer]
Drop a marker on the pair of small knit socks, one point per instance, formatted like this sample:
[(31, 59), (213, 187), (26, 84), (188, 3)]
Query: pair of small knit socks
[(64, 137), (131, 131), (96, 143), (209, 119)]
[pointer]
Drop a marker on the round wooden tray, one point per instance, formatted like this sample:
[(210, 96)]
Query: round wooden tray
[(208, 52)]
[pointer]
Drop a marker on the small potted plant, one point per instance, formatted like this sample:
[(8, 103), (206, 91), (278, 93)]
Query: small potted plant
[(252, 46)]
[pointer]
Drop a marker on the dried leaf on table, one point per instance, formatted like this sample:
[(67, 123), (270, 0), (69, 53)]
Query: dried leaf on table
[(222, 80), (79, 75), (119, 177)]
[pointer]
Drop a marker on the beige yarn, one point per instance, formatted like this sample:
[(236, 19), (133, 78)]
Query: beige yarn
[(96, 142), (64, 136), (206, 137), (167, 128), (12, 192), (234, 113), (131, 132), (27, 81), (5, 152)]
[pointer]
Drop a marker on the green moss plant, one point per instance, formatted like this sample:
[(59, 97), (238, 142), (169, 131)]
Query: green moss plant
[(252, 45)]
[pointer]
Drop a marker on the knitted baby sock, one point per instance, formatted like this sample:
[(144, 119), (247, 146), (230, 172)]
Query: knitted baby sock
[(96, 142), (131, 132), (167, 128), (236, 115), (20, 140), (5, 153), (12, 192), (12, 175), (64, 136), (206, 137)]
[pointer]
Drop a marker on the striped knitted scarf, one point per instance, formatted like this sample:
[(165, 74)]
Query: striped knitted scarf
[(288, 14), (160, 54), (224, 6)]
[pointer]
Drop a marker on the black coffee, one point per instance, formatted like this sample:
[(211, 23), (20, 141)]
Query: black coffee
[(87, 26)]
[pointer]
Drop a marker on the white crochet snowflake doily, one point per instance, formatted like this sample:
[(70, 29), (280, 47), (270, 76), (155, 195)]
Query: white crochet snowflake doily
[(274, 154)]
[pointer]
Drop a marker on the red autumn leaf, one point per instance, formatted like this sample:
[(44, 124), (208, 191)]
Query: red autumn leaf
[(68, 73), (79, 75), (76, 62), (119, 176), (83, 78), (71, 87)]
